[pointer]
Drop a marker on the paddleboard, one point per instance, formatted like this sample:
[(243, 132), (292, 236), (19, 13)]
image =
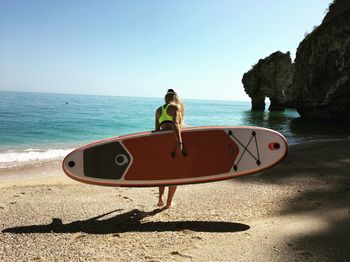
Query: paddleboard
[(150, 159)]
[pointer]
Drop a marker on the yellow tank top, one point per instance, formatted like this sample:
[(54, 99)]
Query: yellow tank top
[(164, 117)]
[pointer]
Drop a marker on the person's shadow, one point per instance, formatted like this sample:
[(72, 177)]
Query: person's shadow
[(127, 222)]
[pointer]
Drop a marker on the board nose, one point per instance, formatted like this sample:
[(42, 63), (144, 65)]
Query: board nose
[(72, 164)]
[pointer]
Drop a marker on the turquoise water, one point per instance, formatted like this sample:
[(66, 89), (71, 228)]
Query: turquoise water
[(42, 127)]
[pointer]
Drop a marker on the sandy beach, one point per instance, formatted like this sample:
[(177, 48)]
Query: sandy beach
[(296, 211)]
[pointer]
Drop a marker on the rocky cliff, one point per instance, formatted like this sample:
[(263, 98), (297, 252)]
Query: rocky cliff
[(318, 82), (269, 78), (322, 67)]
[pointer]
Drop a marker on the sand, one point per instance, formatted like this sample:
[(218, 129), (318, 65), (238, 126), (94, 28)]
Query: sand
[(296, 211)]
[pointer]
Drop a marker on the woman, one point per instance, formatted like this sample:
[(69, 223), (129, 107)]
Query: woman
[(170, 116)]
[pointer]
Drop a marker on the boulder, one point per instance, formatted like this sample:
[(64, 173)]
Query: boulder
[(269, 78)]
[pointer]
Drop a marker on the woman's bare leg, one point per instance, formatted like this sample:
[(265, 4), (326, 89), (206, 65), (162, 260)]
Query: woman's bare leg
[(160, 199), (171, 193)]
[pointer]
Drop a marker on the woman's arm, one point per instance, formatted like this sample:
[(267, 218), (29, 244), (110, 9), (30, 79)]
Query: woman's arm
[(177, 127), (157, 120)]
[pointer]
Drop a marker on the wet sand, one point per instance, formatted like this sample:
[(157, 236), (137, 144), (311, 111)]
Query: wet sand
[(296, 211)]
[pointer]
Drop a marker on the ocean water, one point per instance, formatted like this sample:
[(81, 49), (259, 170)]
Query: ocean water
[(38, 127)]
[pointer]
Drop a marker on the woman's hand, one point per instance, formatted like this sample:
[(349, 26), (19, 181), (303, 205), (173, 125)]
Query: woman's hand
[(179, 147)]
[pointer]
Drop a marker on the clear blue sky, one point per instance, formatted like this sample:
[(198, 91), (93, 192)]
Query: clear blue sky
[(201, 48)]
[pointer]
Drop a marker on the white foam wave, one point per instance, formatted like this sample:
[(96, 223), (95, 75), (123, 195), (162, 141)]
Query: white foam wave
[(12, 158)]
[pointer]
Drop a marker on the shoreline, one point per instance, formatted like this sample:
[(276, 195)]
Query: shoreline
[(297, 210)]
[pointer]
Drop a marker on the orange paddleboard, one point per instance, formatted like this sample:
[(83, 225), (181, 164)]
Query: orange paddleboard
[(149, 158)]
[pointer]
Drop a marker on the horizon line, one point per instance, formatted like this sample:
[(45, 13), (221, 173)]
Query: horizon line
[(107, 95)]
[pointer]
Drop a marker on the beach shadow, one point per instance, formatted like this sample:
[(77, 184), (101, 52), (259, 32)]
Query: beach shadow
[(128, 222), (318, 172), (319, 128)]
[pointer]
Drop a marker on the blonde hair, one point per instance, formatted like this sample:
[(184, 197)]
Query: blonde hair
[(172, 98)]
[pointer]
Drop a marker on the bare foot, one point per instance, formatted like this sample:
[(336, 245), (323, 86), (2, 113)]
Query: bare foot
[(160, 203), (169, 205)]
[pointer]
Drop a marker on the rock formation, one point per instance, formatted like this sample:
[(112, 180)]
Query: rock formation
[(322, 67), (269, 78)]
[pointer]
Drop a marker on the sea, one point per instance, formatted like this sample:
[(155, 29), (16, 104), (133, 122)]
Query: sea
[(40, 127)]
